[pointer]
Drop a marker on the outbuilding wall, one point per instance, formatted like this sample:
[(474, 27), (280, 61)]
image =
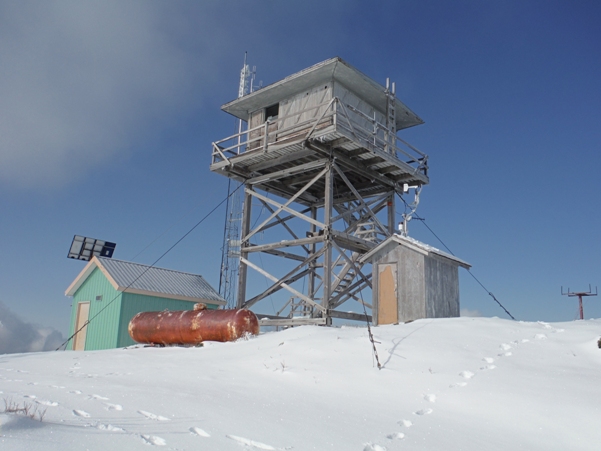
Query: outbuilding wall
[(108, 330), (427, 285), (102, 331), (133, 304), (442, 288)]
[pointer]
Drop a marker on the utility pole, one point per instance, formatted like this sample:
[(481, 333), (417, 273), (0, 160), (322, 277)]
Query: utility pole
[(580, 295)]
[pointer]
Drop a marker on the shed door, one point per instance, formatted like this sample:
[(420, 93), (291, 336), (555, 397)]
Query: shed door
[(83, 312), (387, 294)]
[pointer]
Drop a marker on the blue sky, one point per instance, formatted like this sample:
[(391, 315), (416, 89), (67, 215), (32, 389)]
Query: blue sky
[(110, 108)]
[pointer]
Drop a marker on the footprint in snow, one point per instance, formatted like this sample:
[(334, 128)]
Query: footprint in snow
[(406, 423), (458, 384), (488, 359), (396, 436), (248, 442), (109, 428), (506, 354), (47, 403), (466, 374), (152, 416), (525, 340), (540, 337), (488, 367), (374, 447), (153, 440), (199, 432), (81, 413), (75, 392), (110, 406), (30, 396), (430, 398), (423, 412), (98, 397), (505, 346)]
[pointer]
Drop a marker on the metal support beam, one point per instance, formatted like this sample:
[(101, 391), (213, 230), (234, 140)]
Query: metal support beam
[(327, 219), (284, 206), (245, 228), (284, 243), (350, 315), (282, 284), (283, 322), (391, 214), (370, 213)]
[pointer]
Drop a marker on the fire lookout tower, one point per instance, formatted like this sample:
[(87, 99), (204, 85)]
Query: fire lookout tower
[(321, 157)]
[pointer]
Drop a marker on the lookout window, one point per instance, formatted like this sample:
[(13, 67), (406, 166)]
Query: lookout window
[(272, 111)]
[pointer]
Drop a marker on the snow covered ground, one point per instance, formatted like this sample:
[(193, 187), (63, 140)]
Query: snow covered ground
[(447, 384)]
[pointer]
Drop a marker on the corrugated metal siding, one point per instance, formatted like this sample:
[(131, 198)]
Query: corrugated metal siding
[(136, 303), (159, 280), (102, 331)]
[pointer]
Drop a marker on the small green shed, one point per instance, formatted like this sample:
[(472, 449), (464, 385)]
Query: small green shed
[(112, 292)]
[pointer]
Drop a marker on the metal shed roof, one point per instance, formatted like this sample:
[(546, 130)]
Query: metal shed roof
[(416, 245), (149, 280), (333, 69)]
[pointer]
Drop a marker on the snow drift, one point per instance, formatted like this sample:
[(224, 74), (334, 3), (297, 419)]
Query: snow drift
[(448, 384)]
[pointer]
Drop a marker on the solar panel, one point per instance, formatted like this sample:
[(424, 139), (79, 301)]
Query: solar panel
[(84, 248)]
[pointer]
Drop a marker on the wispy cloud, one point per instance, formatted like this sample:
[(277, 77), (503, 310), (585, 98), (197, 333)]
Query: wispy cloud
[(19, 336), (80, 80), (468, 312)]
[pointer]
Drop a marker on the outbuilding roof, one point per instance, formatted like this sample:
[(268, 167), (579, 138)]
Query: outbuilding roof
[(333, 69), (416, 245), (149, 280)]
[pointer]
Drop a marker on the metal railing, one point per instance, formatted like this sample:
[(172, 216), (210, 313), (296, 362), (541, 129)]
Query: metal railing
[(364, 130)]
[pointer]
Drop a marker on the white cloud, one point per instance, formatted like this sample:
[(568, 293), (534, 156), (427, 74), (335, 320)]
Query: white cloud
[(468, 312), (80, 80), (19, 336)]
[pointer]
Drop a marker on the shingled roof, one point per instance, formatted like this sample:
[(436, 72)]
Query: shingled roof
[(149, 280)]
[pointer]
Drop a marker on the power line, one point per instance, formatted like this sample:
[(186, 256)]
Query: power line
[(149, 267), (423, 221)]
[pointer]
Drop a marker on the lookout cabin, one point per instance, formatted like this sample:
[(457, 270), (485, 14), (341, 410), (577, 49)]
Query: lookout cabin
[(112, 292), (332, 104)]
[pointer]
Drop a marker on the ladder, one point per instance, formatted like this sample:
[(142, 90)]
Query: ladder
[(390, 117)]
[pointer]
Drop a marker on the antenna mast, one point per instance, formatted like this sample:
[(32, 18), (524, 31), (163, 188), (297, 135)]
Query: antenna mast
[(580, 294), (230, 257)]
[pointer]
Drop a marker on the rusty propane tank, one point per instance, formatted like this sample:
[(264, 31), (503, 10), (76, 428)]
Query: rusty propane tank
[(191, 327)]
